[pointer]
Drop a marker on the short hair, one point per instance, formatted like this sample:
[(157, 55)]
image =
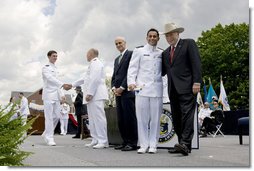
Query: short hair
[(95, 52), (51, 52), (120, 38), (21, 93), (152, 29)]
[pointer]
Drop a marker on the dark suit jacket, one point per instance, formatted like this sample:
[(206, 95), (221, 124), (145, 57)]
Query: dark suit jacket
[(185, 68), (78, 104), (119, 77)]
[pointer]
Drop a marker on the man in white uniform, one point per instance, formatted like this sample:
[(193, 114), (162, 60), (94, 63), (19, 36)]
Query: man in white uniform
[(144, 74), (94, 94), (24, 109), (51, 97), (65, 109)]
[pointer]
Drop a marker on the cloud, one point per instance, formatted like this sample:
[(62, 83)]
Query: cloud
[(30, 28)]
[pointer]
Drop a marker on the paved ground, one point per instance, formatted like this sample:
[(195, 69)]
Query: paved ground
[(219, 151)]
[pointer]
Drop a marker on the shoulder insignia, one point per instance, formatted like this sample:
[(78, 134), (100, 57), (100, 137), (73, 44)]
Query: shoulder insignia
[(139, 46)]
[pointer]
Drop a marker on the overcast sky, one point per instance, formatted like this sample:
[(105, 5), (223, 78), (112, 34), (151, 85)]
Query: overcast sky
[(30, 28)]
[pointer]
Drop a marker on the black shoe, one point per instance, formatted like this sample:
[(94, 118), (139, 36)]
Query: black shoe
[(182, 148), (87, 136), (173, 151), (76, 136), (120, 147), (128, 148)]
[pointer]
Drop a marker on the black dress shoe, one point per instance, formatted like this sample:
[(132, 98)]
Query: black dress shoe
[(76, 136), (182, 148), (128, 148), (173, 151), (120, 147)]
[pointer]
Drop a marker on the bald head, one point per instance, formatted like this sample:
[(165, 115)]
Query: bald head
[(120, 43)]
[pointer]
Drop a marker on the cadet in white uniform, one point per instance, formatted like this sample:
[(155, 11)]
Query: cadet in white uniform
[(24, 109), (51, 96), (94, 94), (65, 109), (144, 74)]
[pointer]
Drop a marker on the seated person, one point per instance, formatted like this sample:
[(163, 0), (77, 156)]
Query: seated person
[(203, 113), (209, 123)]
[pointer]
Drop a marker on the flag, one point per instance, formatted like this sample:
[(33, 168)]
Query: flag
[(205, 92), (223, 97), (211, 93)]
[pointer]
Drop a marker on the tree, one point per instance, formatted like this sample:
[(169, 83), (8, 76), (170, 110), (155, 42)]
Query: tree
[(11, 137), (225, 51)]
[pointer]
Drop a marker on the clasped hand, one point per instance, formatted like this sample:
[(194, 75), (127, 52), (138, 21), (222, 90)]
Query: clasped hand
[(67, 86)]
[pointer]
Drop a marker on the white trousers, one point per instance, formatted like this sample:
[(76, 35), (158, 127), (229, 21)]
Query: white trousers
[(64, 125), (148, 112), (51, 114), (97, 122)]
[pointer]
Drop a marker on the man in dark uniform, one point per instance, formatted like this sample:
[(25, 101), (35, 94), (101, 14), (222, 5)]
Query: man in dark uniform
[(80, 109), (125, 100), (181, 62)]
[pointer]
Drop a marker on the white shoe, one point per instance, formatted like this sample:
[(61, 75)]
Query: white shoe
[(51, 143), (142, 150), (152, 150), (44, 138), (91, 144), (98, 146)]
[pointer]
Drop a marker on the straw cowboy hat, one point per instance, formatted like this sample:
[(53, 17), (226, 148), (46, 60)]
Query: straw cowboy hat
[(172, 27)]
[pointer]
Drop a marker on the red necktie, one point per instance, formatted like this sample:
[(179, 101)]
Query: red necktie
[(172, 53)]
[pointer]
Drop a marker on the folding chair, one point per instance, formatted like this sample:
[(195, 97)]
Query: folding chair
[(218, 127)]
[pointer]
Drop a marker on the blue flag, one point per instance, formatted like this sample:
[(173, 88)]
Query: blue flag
[(211, 94)]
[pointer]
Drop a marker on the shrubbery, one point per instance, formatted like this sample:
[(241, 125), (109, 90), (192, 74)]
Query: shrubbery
[(11, 137)]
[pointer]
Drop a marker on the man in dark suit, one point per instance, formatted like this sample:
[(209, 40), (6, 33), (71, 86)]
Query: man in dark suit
[(80, 109), (125, 100), (181, 62)]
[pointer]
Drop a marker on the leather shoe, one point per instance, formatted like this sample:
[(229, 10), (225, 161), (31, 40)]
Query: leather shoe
[(76, 136), (128, 148), (119, 147), (182, 148), (173, 151)]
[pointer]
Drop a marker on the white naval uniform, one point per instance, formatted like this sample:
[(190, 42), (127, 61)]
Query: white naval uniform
[(65, 109), (51, 96), (145, 72), (24, 109), (94, 84)]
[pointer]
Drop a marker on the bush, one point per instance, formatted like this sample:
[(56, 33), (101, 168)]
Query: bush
[(11, 137)]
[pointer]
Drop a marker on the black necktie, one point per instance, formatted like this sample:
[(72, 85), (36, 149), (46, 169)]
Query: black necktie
[(172, 51)]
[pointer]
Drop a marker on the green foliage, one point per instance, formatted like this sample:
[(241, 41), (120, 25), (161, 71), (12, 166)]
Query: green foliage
[(11, 137), (225, 51)]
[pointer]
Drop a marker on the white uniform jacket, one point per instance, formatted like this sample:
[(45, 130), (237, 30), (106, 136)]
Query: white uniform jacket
[(51, 84), (145, 71), (93, 81), (24, 109)]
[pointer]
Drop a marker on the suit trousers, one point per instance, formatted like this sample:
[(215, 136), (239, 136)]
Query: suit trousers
[(183, 110), (148, 111), (97, 122), (127, 121), (52, 115)]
